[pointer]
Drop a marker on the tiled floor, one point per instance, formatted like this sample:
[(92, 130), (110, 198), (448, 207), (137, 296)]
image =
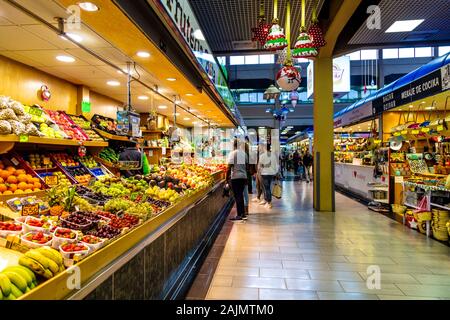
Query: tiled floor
[(291, 252)]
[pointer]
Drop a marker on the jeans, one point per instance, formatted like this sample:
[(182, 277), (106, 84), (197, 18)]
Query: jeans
[(246, 195), (238, 187), (259, 185), (267, 182)]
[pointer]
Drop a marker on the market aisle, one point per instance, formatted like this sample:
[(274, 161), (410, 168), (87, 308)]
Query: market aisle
[(291, 252)]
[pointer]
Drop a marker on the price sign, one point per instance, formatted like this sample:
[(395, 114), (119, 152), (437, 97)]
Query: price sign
[(164, 150), (404, 131), (46, 161), (85, 106), (397, 134), (35, 111), (426, 130), (23, 138), (30, 210), (399, 179), (51, 180), (440, 128)]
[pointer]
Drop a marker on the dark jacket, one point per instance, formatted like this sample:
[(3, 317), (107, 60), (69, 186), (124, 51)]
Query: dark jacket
[(131, 154)]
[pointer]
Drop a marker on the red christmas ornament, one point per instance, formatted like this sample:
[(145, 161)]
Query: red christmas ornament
[(288, 78), (261, 32), (316, 35)]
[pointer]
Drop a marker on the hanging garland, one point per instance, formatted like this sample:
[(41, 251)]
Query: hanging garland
[(276, 39), (304, 47), (288, 78), (261, 31), (315, 32)]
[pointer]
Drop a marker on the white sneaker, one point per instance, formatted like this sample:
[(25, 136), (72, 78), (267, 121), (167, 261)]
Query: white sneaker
[(262, 203), (255, 200), (268, 205)]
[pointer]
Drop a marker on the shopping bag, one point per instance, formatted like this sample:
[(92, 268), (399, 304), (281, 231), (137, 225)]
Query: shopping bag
[(277, 190)]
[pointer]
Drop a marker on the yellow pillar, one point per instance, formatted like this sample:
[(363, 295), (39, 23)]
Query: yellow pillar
[(324, 199)]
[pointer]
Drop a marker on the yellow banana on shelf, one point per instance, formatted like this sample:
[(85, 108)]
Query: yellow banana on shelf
[(21, 272), (16, 291), (35, 255), (5, 285), (17, 280), (54, 268), (51, 254), (35, 266)]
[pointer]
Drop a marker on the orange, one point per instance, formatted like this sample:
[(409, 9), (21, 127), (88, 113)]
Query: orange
[(36, 189), (11, 169), (7, 193), (30, 186), (13, 187), (2, 166), (36, 180), (11, 179), (23, 186), (28, 191), (3, 188), (2, 180), (18, 191), (37, 185), (22, 177), (4, 174), (20, 171)]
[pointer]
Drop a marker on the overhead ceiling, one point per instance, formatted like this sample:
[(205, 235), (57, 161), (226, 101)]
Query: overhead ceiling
[(226, 21), (436, 26), (28, 41)]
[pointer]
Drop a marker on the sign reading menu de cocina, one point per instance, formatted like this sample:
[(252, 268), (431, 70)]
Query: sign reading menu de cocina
[(429, 85)]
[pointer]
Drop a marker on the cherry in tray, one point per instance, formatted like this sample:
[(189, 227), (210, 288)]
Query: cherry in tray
[(10, 226)]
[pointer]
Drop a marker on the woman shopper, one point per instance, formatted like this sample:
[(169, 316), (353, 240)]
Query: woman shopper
[(308, 162), (237, 177), (268, 161), (258, 178)]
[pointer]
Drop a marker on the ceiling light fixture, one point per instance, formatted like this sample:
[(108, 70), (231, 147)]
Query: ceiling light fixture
[(199, 104), (404, 25), (171, 79), (186, 119), (143, 54), (88, 6), (189, 94), (176, 114), (198, 34), (72, 36), (162, 107), (143, 98), (67, 59), (113, 83)]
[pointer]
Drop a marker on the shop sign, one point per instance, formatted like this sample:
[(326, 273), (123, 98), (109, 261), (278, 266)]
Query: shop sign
[(85, 106), (341, 77), (354, 115), (429, 85), (184, 18), (30, 210), (51, 180)]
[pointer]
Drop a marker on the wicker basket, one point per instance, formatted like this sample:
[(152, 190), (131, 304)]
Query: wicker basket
[(440, 235), (398, 209), (424, 216)]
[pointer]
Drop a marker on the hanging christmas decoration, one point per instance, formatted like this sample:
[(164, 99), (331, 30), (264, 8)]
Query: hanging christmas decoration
[(315, 32), (293, 96), (261, 31), (303, 46), (282, 55), (276, 39), (288, 78)]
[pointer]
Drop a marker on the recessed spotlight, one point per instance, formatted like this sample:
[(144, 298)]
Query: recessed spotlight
[(194, 122), (176, 114), (411, 106), (65, 59), (143, 54), (193, 110), (189, 94), (72, 36), (143, 98), (88, 6), (162, 107), (404, 25), (113, 83), (199, 104), (171, 79), (186, 119)]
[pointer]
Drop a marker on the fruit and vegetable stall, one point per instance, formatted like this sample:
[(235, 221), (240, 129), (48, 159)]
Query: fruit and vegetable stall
[(66, 212)]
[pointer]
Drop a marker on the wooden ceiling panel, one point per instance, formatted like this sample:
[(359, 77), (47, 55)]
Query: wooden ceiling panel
[(17, 56), (14, 38)]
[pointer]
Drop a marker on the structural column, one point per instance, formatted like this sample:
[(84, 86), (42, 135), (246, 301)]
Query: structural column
[(324, 198)]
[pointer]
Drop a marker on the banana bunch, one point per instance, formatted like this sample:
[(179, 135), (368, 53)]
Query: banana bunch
[(15, 281), (43, 261)]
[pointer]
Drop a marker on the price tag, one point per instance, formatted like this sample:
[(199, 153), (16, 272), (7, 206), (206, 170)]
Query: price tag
[(30, 210), (415, 131), (15, 161), (397, 134), (404, 131), (440, 128), (399, 179), (426, 130), (23, 138), (35, 111), (51, 180), (164, 150), (46, 161)]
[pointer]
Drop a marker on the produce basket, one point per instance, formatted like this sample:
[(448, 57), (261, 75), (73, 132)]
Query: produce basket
[(398, 209)]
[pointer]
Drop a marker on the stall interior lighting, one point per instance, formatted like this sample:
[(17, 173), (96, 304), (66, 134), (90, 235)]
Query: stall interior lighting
[(404, 25), (88, 6)]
